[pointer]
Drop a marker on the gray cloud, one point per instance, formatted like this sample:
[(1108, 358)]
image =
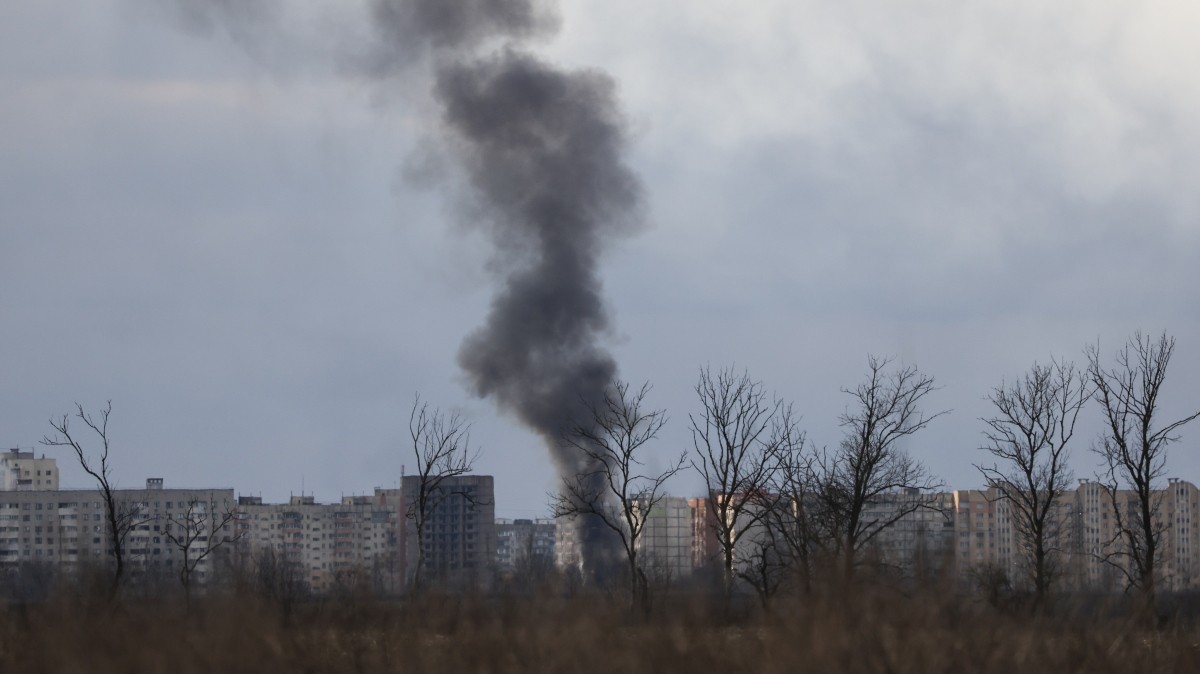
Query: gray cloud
[(223, 254)]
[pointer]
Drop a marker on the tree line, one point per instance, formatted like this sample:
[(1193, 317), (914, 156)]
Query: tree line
[(783, 511)]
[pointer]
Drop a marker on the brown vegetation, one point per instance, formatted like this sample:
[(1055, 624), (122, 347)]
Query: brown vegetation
[(872, 631)]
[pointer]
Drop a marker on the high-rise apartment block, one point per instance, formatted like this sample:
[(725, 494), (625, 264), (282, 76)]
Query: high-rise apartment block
[(23, 471), (459, 531), (969, 530), (362, 542), (354, 543), (666, 547), (524, 545), (68, 529), (666, 541)]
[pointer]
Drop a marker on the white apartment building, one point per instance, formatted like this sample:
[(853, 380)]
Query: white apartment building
[(24, 471), (1083, 536), (347, 544), (665, 548), (524, 544), (68, 529)]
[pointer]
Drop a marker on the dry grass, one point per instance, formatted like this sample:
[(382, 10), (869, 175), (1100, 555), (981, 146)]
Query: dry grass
[(877, 632)]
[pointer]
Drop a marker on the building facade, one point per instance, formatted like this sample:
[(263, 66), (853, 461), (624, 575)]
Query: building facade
[(1086, 549), (162, 529), (456, 544), (325, 546), (24, 471), (524, 546), (666, 546)]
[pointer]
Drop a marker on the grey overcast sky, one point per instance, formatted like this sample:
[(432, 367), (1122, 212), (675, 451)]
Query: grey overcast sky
[(216, 225)]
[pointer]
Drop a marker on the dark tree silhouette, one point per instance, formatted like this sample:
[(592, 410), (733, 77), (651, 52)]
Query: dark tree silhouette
[(196, 533), (1133, 448), (870, 482), (796, 529), (442, 448), (734, 437), (120, 519), (1028, 436), (616, 488)]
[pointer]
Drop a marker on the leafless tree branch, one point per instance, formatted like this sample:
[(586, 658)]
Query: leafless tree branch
[(1034, 422), (1134, 446), (869, 483), (617, 488), (120, 520), (442, 449), (735, 437)]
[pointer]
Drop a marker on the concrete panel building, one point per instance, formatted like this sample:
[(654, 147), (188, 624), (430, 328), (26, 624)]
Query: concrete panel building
[(24, 471), (67, 529), (459, 549), (525, 547), (666, 545), (354, 543)]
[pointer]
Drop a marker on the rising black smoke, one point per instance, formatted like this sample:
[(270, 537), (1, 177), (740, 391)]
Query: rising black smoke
[(542, 149)]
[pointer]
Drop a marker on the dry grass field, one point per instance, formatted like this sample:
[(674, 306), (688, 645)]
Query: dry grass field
[(870, 632)]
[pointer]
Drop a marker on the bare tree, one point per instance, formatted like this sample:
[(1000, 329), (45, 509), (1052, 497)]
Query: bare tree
[(615, 488), (120, 519), (798, 532), (870, 482), (1134, 450), (442, 449), (1028, 436), (733, 436), (196, 533)]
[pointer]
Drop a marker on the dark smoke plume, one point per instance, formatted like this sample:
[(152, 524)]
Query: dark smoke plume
[(542, 150)]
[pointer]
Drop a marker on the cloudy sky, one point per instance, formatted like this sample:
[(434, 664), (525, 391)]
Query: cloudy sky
[(220, 226)]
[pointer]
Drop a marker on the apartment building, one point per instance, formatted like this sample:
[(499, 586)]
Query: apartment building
[(24, 471), (568, 553), (666, 546), (1083, 536), (977, 531), (524, 545), (459, 546), (354, 543), (705, 549), (915, 530), (68, 529), (1095, 550)]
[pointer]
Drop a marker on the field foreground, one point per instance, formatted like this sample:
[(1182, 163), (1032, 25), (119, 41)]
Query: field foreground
[(581, 634)]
